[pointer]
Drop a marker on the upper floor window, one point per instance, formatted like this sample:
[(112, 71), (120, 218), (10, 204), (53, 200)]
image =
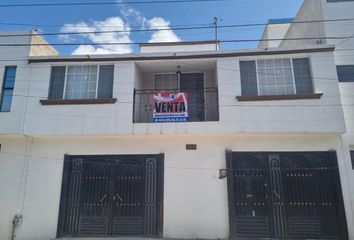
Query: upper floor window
[(81, 82), (345, 73), (166, 81), (8, 88), (276, 77)]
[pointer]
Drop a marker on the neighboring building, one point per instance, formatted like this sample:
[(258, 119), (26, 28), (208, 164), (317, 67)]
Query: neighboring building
[(275, 29), (262, 154), (326, 32)]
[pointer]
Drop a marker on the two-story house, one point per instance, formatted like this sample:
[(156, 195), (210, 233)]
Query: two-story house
[(177, 141)]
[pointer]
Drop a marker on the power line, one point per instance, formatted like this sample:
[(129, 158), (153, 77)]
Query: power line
[(105, 3), (185, 168), (277, 105), (283, 39), (139, 43), (111, 26), (346, 39), (113, 60), (85, 116), (165, 28), (162, 28)]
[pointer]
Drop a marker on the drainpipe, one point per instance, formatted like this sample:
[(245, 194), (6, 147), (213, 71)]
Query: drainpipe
[(18, 218), (15, 222)]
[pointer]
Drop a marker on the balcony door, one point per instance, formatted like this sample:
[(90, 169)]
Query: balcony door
[(193, 84)]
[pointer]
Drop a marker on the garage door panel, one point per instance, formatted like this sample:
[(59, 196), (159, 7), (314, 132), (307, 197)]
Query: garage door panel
[(285, 195), (111, 195)]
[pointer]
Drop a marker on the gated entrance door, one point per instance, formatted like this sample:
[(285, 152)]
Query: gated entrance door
[(287, 195), (111, 196)]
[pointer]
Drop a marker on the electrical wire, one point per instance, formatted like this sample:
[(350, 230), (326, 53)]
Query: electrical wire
[(209, 25), (111, 26), (169, 28), (191, 168), (105, 3), (142, 43), (113, 60), (191, 64), (231, 68)]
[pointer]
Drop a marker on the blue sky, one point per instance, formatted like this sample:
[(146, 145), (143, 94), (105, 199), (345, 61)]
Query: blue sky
[(108, 17)]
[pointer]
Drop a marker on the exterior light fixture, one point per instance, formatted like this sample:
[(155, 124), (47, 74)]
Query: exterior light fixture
[(178, 73)]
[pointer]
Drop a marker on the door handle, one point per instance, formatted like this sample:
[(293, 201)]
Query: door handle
[(104, 196), (119, 197), (276, 194), (266, 190)]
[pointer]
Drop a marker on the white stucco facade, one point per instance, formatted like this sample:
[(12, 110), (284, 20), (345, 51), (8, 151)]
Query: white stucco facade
[(178, 47), (34, 138), (252, 117), (195, 199)]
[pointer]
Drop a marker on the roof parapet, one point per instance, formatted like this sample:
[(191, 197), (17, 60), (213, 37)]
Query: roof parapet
[(188, 46)]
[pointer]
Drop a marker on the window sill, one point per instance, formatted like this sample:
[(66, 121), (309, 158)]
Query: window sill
[(78, 101), (279, 97)]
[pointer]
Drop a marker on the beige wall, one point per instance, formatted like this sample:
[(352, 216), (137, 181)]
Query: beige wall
[(41, 50)]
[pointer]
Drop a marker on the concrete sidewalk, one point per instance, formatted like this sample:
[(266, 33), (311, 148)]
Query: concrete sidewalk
[(123, 238)]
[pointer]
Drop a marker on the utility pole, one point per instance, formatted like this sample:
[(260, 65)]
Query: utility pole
[(215, 23)]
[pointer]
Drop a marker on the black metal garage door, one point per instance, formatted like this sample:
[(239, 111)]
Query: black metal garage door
[(111, 196), (286, 195)]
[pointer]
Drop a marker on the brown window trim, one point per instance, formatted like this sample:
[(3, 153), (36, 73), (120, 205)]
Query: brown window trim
[(78, 101), (280, 97)]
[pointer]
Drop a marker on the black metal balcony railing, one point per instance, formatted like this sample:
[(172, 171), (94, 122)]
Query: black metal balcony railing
[(203, 104)]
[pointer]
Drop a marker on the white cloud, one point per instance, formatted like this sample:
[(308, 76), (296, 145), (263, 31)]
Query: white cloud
[(165, 35), (90, 49), (131, 16), (110, 24), (135, 17)]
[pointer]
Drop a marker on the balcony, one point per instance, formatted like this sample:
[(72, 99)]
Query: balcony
[(176, 91), (202, 105)]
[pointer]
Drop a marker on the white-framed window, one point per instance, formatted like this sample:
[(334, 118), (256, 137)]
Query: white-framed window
[(166, 81), (276, 77), (81, 82)]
